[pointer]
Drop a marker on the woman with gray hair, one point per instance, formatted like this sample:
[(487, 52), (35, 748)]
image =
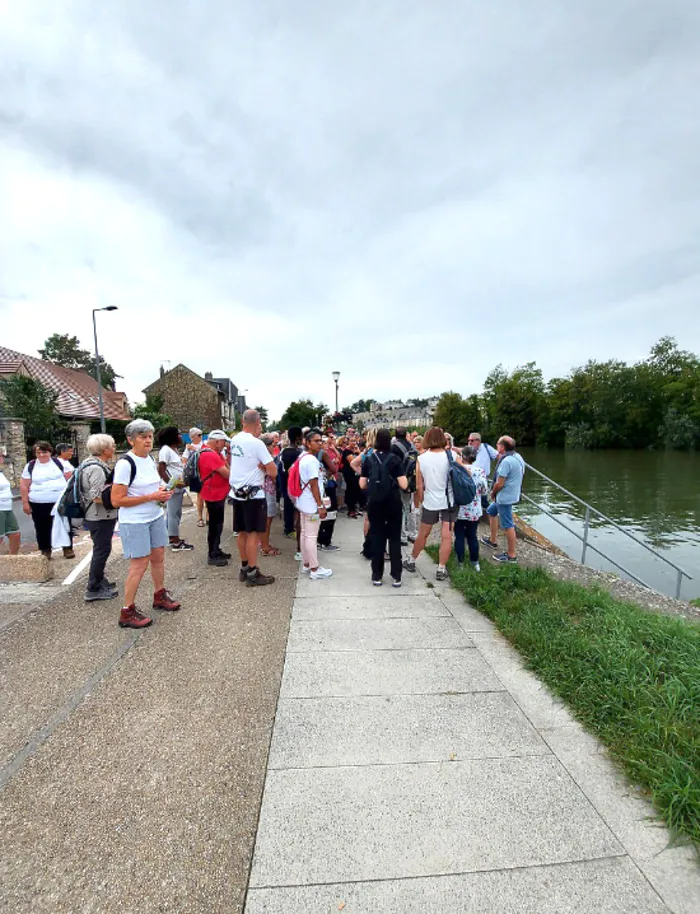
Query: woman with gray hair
[(138, 493), (93, 474)]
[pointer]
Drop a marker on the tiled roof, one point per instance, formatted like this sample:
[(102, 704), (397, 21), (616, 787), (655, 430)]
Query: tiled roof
[(77, 391)]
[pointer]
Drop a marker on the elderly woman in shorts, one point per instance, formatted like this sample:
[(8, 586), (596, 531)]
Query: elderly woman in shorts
[(139, 494), (270, 488), (8, 522)]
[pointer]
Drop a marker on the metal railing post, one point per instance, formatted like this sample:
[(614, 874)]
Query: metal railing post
[(679, 582), (586, 525)]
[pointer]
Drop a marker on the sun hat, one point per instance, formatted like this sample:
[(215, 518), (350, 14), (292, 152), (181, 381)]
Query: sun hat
[(218, 435)]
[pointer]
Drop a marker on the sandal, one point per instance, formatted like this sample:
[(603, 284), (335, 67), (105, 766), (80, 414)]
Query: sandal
[(200, 523), (273, 550)]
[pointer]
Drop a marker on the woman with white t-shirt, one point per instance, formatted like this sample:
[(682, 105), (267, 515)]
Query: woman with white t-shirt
[(139, 494), (8, 522), (41, 485), (171, 466), (311, 506), (434, 493), (195, 444)]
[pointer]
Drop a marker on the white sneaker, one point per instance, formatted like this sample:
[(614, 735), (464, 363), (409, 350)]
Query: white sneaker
[(320, 572), (297, 556), (476, 566), (305, 569)]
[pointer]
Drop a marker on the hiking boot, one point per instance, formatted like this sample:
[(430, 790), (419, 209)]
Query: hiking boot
[(68, 552), (409, 565), (487, 542), (46, 553), (505, 559), (441, 574), (163, 600), (222, 554), (257, 579), (217, 560), (130, 617), (243, 574), (181, 546), (102, 593)]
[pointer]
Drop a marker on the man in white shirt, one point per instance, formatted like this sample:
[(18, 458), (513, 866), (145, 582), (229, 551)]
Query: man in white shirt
[(250, 463), (484, 453)]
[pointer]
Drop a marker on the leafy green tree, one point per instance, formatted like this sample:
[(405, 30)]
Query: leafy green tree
[(516, 402), (303, 413), (263, 414), (360, 406), (28, 399), (65, 350), (152, 410)]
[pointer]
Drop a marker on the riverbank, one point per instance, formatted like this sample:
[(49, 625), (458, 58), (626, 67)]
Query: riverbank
[(629, 675)]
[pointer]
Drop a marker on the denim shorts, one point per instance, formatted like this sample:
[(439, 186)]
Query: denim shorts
[(505, 514), (139, 539)]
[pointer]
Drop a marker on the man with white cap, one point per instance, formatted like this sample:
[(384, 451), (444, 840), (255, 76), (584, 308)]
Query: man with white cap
[(214, 472)]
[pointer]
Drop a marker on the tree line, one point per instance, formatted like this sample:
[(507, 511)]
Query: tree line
[(612, 404)]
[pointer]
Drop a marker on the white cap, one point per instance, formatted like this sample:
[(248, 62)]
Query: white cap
[(218, 435)]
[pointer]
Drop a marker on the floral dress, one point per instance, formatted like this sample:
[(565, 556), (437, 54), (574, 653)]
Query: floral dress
[(474, 510)]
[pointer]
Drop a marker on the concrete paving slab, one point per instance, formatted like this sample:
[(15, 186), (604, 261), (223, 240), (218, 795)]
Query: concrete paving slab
[(672, 869), (387, 673), (388, 730), (470, 619), (608, 886), (375, 634), (393, 821), (350, 581), (535, 699), (390, 606)]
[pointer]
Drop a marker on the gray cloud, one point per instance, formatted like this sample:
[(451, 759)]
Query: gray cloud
[(391, 180)]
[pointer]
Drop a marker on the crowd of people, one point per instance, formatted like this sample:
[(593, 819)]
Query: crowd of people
[(400, 484)]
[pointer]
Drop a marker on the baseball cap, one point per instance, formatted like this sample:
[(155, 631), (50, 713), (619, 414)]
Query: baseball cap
[(218, 435)]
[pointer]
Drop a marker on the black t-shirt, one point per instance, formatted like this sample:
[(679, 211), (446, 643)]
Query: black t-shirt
[(347, 456), (289, 456)]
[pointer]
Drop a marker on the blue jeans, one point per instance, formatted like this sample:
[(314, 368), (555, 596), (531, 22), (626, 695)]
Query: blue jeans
[(468, 529)]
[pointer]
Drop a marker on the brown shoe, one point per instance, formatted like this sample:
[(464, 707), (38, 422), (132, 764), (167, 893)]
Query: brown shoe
[(163, 600), (68, 552), (130, 617), (256, 579), (46, 553)]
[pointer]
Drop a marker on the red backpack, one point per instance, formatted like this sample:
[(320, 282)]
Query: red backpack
[(294, 486)]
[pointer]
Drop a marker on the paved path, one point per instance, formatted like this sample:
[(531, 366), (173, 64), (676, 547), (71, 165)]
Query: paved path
[(416, 767)]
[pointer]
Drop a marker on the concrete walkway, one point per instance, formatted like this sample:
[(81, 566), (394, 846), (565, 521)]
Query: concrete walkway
[(417, 767)]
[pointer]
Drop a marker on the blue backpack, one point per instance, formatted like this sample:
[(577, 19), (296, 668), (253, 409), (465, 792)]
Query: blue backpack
[(463, 486)]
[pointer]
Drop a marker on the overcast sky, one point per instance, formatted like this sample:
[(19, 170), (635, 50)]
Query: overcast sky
[(408, 192)]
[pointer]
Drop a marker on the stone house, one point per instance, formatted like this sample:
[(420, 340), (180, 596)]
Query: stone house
[(194, 400)]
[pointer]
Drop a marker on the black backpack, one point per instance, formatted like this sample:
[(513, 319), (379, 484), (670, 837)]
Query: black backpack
[(380, 483), (106, 493), (410, 460)]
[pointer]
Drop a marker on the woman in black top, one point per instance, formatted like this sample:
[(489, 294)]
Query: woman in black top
[(383, 479)]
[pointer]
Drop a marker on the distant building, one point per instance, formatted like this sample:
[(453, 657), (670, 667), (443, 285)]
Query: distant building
[(395, 413), (190, 399), (78, 392)]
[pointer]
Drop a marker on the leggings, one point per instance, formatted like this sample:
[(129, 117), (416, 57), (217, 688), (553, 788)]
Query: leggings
[(352, 493), (43, 524), (468, 529)]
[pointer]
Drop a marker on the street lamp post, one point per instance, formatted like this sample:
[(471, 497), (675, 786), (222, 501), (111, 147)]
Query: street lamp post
[(336, 377), (103, 427)]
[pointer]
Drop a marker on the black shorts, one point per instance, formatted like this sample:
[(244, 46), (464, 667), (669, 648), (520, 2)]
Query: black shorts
[(250, 516)]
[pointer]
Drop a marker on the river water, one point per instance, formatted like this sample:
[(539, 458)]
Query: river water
[(653, 494)]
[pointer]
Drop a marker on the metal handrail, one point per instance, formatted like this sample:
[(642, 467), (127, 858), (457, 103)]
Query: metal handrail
[(680, 572)]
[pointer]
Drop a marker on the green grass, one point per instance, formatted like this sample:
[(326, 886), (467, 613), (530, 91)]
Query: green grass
[(631, 676)]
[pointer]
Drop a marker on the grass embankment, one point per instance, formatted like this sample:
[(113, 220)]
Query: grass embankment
[(631, 676)]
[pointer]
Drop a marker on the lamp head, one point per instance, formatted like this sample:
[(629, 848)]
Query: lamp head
[(110, 308), (336, 375)]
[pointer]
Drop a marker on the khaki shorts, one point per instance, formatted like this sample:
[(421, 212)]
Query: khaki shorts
[(8, 523), (445, 516)]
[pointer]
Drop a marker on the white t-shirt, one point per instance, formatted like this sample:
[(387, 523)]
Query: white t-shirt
[(172, 460), (146, 481), (247, 452), (5, 493), (433, 466), (47, 482), (67, 465), (309, 468)]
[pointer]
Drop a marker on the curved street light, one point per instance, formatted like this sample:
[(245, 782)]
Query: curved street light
[(336, 378), (103, 427)]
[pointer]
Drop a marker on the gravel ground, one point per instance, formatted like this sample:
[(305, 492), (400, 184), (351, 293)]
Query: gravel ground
[(143, 789)]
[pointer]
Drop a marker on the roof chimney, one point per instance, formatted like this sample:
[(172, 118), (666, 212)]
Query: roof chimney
[(208, 376), (162, 371)]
